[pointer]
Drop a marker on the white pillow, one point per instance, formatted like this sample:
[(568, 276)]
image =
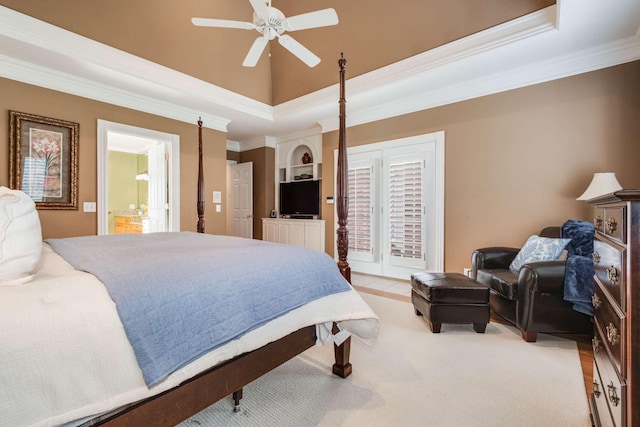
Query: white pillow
[(20, 237), (538, 249)]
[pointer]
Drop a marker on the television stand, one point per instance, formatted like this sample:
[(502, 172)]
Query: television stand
[(300, 232)]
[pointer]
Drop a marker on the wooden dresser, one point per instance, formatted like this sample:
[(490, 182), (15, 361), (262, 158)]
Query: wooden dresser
[(125, 224), (615, 400)]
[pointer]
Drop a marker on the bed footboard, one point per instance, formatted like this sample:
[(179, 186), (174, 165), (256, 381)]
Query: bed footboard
[(176, 405)]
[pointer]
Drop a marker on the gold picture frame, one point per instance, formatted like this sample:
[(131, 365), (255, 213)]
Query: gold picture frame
[(43, 159)]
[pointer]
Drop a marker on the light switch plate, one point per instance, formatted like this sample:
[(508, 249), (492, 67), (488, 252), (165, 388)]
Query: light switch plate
[(89, 207), (218, 209)]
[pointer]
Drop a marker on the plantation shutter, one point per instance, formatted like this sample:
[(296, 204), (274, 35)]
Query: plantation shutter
[(360, 226), (406, 209)]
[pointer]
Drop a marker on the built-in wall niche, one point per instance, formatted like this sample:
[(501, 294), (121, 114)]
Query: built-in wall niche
[(299, 160), (300, 163)]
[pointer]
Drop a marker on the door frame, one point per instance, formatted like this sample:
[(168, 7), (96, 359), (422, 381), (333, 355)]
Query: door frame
[(173, 147), (231, 200), (438, 139)]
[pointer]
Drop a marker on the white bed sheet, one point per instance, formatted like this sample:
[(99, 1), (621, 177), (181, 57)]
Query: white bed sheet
[(64, 354)]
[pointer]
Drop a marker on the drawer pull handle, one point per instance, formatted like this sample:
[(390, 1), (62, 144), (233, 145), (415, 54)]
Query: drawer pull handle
[(612, 225), (597, 222), (595, 343), (612, 334), (596, 389), (613, 274), (612, 392), (596, 301), (596, 257)]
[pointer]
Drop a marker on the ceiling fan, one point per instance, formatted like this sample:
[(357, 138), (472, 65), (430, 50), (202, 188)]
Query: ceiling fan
[(272, 23)]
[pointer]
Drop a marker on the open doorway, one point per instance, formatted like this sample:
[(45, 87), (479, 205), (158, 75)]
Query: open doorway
[(138, 180)]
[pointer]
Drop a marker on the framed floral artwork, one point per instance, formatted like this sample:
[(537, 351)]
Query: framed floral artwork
[(43, 159)]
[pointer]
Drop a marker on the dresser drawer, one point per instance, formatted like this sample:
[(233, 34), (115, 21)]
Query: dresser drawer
[(611, 326), (614, 223), (613, 386), (123, 219), (608, 262), (600, 407), (598, 219), (610, 221)]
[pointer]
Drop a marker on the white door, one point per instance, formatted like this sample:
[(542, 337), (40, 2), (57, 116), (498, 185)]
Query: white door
[(241, 185), (363, 208), (157, 188), (404, 212), (396, 206)]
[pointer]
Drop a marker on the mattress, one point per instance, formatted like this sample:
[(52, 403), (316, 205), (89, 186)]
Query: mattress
[(64, 354)]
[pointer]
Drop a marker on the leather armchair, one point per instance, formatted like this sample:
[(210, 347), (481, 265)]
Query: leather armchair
[(533, 298)]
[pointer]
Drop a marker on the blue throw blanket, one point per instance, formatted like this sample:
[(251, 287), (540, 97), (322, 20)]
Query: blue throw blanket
[(578, 279), (180, 295)]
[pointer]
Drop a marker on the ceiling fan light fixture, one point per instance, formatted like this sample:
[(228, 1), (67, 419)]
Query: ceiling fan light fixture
[(271, 23)]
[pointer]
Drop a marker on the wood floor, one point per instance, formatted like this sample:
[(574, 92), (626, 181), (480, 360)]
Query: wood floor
[(583, 341)]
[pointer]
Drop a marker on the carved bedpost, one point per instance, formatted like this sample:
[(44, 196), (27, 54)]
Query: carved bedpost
[(200, 202), (342, 182), (342, 367)]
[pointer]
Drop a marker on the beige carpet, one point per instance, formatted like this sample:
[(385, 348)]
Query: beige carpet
[(412, 377)]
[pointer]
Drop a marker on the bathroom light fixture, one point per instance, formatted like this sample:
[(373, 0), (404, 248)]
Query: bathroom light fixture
[(142, 176), (602, 183)]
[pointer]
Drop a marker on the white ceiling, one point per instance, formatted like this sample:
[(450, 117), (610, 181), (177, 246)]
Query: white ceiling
[(573, 37)]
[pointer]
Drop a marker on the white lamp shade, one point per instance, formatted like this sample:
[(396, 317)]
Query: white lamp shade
[(602, 183)]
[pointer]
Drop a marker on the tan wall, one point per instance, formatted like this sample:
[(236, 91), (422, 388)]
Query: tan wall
[(233, 155), (516, 161), (56, 223), (263, 184)]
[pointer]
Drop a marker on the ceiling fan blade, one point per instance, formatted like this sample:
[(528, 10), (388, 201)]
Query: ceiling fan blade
[(260, 7), (304, 54), (255, 52), (222, 23), (319, 18)]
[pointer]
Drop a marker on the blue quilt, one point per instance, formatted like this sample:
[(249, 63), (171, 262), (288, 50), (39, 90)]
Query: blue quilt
[(180, 295), (578, 279)]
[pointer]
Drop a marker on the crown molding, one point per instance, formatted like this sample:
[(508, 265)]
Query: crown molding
[(233, 146), (590, 59), (309, 133), (493, 38), (509, 56), (108, 62), (14, 69), (257, 142)]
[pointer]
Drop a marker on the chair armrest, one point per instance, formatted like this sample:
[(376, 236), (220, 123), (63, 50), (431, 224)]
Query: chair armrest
[(542, 277), (494, 258)]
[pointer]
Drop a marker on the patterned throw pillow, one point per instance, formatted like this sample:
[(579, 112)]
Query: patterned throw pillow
[(538, 249)]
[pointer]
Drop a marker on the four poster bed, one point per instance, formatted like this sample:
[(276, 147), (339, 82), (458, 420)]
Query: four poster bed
[(101, 370)]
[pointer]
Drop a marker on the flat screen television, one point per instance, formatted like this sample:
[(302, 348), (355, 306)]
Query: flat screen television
[(300, 198)]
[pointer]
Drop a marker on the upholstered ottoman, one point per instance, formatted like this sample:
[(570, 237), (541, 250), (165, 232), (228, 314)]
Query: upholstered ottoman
[(450, 298)]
